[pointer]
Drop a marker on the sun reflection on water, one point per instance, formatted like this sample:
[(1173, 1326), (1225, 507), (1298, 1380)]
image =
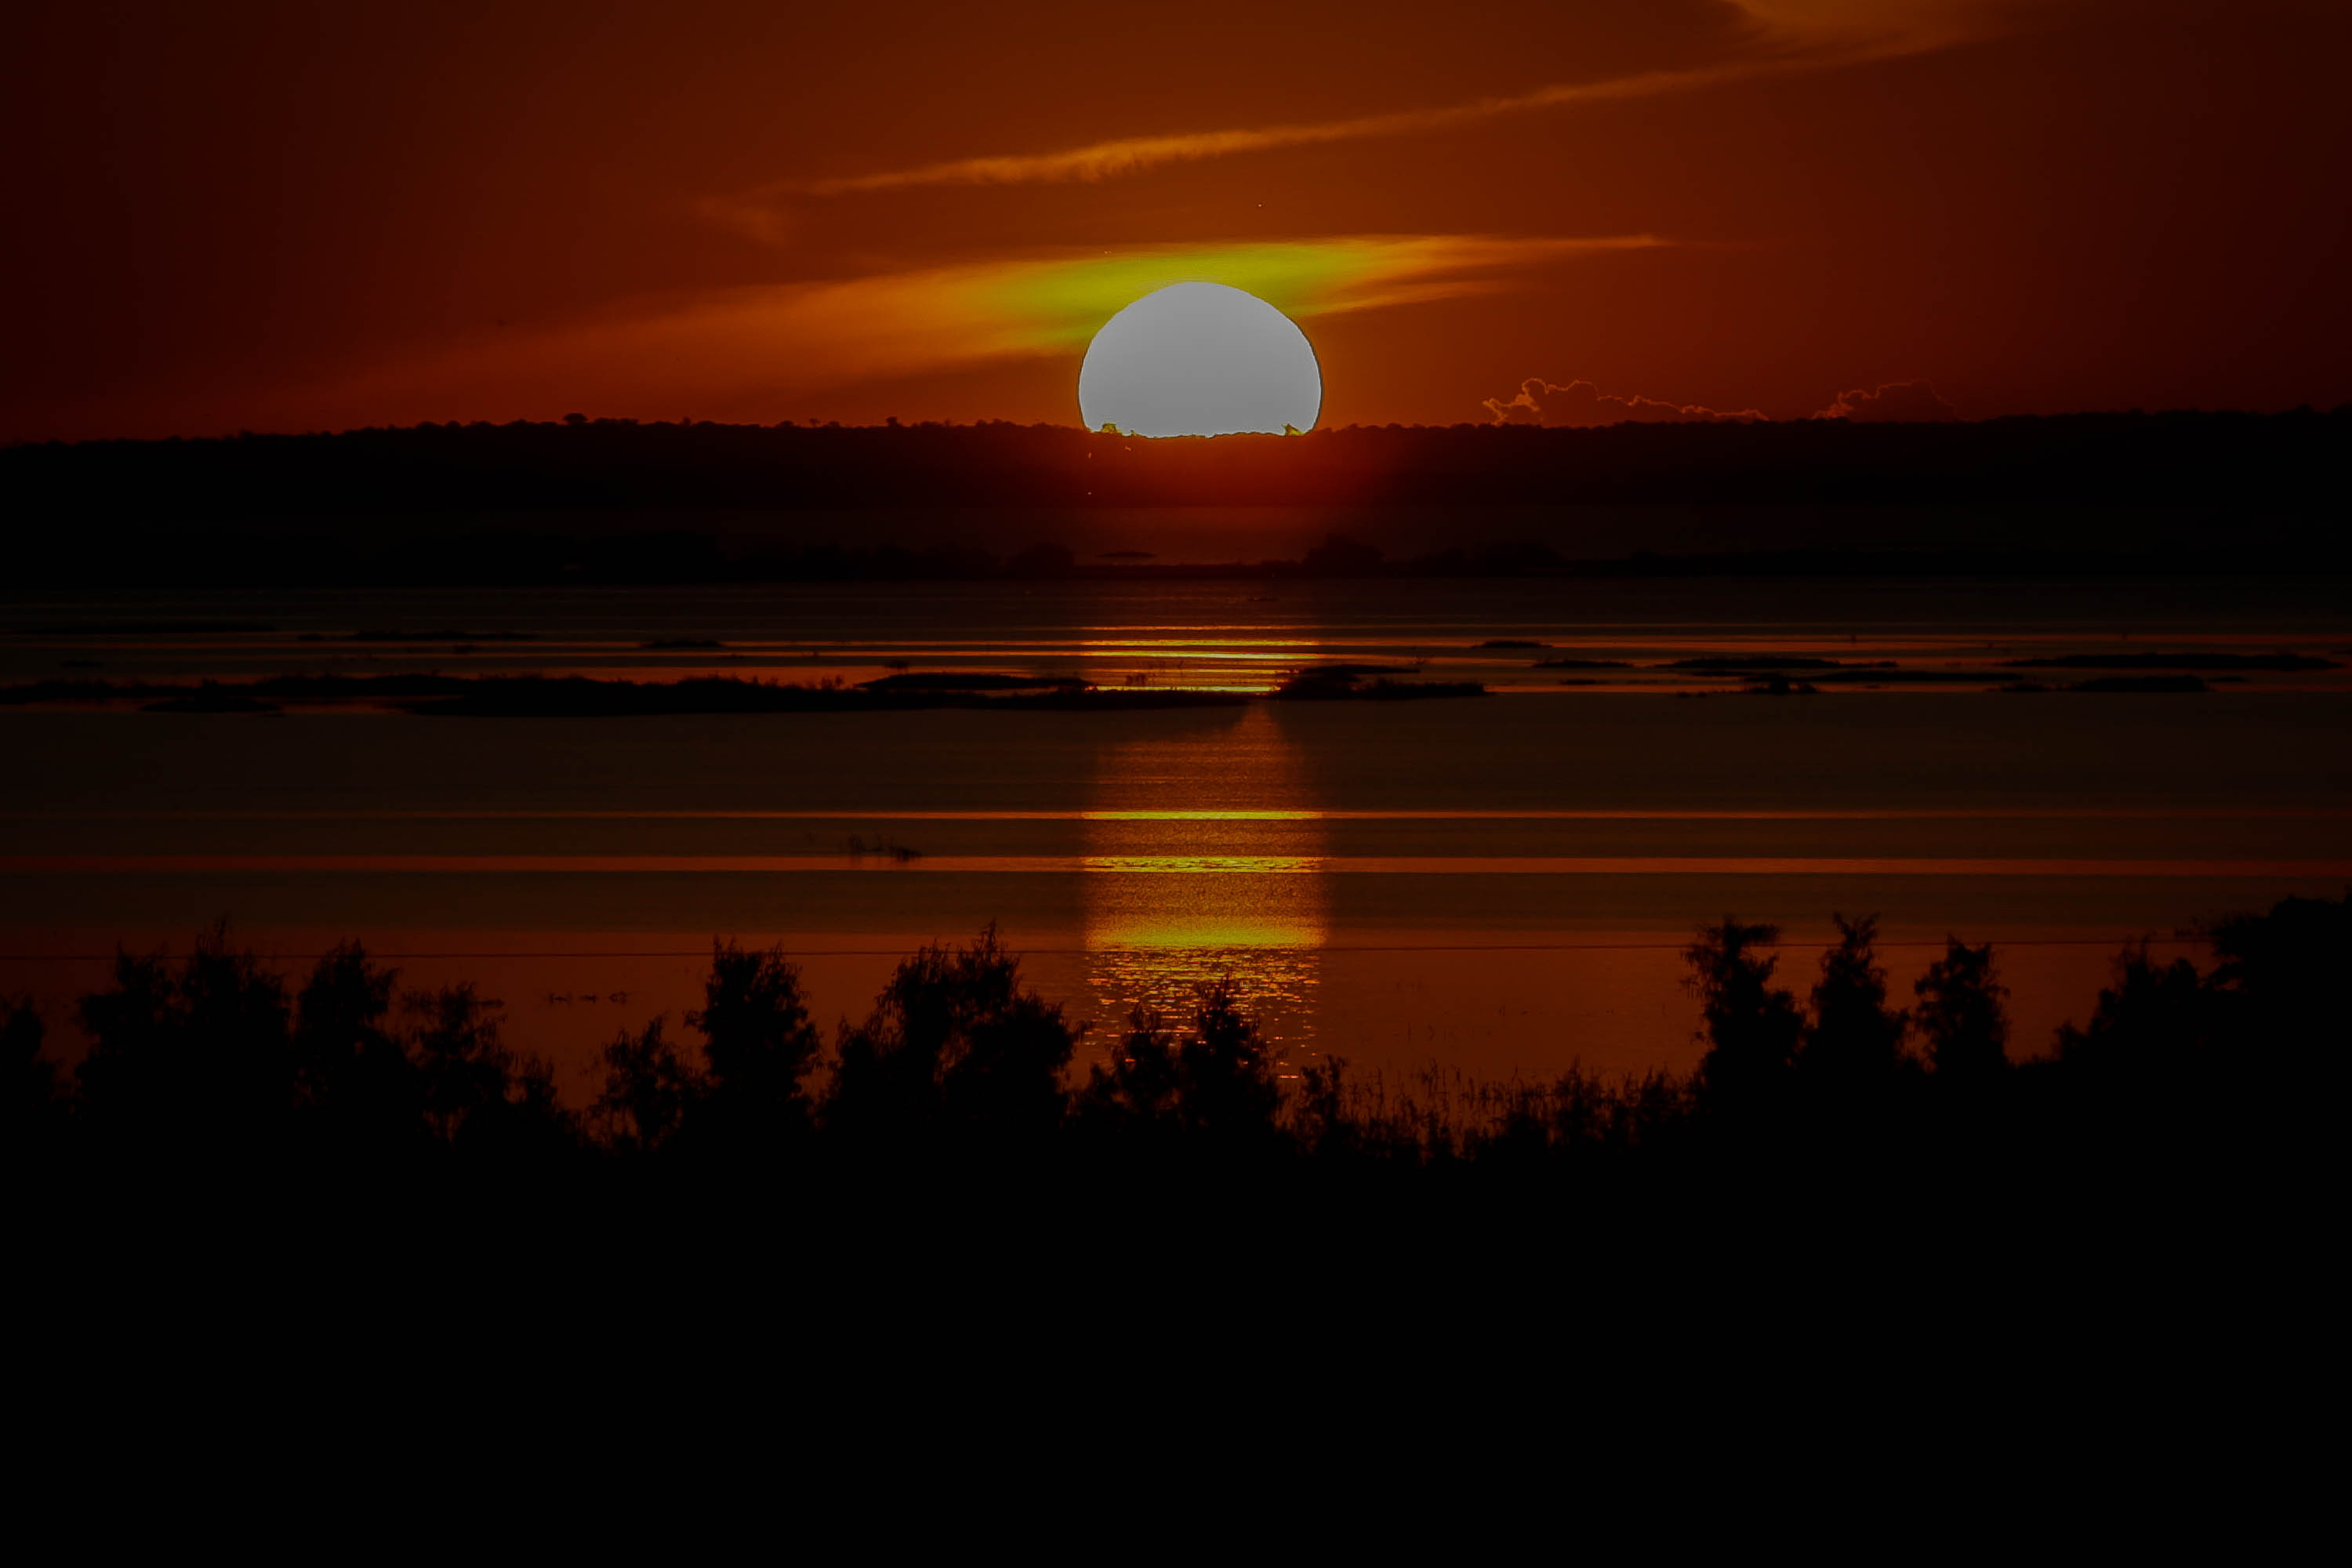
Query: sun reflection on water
[(1204, 860)]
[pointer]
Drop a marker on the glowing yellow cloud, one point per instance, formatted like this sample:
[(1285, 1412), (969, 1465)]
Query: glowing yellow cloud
[(746, 352), (1061, 303)]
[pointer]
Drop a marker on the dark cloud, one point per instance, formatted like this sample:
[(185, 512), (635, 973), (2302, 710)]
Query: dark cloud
[(1582, 405), (1900, 402)]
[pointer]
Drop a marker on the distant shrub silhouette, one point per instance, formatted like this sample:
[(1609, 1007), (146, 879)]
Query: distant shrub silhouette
[(1752, 1027), (32, 1079), (192, 1057), (1214, 1090), (955, 1047), (1854, 1039), (353, 1080), (959, 1070), (1437, 1117), (479, 1097), (1338, 556), (2152, 1021), (649, 1092), (1963, 1014), (1137, 1097), (1229, 1091), (758, 1041), (2278, 987), (745, 1096)]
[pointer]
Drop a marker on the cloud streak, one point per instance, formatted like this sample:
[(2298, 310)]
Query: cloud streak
[(1894, 403), (1580, 405), (1137, 154), (1788, 36)]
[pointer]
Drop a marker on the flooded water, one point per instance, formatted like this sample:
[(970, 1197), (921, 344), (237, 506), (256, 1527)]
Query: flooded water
[(1501, 885)]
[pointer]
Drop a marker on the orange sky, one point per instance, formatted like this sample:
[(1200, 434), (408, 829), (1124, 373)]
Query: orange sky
[(287, 216)]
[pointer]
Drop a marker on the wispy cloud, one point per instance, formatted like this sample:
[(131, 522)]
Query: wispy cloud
[(1135, 154), (1899, 402), (750, 352), (1581, 403), (1788, 35)]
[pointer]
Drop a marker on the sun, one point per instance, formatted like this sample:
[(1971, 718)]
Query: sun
[(1199, 358)]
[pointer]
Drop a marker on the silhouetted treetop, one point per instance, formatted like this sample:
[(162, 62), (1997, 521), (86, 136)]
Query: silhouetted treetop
[(1962, 1012), (755, 1023), (956, 1045), (1853, 1036), (211, 1062), (1752, 1026), (1214, 1087)]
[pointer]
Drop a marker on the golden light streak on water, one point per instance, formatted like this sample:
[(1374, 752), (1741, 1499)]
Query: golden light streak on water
[(1200, 661), (1255, 904)]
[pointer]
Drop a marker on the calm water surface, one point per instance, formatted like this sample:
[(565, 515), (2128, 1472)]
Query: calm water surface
[(1498, 885)]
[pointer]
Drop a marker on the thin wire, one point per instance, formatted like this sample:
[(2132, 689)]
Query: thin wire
[(2172, 940)]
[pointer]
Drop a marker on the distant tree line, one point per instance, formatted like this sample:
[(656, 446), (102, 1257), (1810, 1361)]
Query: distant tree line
[(609, 499), (624, 464), (961, 1071)]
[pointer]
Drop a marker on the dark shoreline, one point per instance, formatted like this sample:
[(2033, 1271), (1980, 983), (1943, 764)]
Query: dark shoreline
[(587, 697), (577, 696), (614, 501)]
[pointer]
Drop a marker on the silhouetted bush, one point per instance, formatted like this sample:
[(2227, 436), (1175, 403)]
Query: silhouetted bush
[(956, 1049), (1963, 1014), (1854, 1040), (481, 1098), (1752, 1026), (32, 1078), (961, 1070), (1212, 1092), (1435, 1116), (760, 1046), (354, 1080), (2153, 1022), (191, 1059), (2279, 988), (649, 1092)]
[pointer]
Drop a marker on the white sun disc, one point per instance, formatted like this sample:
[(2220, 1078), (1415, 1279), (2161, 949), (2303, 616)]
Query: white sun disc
[(1199, 358)]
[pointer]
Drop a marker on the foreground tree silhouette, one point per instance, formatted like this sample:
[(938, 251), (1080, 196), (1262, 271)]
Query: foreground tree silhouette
[(208, 1059), (1215, 1090), (2278, 985), (1855, 1039), (759, 1045), (650, 1091), (1963, 1014), (32, 1079), (1136, 1097), (955, 1048), (188, 1058), (1752, 1026), (354, 1083), (744, 1098), (2152, 1023), (478, 1096), (1229, 1091)]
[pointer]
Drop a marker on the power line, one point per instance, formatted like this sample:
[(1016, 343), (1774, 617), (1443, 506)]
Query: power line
[(2174, 940)]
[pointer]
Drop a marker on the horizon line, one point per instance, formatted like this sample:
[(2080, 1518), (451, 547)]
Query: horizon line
[(609, 421)]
